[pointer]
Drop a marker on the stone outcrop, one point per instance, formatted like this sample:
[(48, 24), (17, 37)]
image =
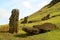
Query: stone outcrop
[(45, 27), (30, 30), (25, 20), (36, 29)]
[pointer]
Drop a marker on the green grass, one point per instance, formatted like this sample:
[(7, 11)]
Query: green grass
[(53, 35), (44, 11), (21, 35)]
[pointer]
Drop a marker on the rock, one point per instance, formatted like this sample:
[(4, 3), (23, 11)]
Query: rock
[(30, 30), (45, 27), (13, 21), (46, 17), (25, 20)]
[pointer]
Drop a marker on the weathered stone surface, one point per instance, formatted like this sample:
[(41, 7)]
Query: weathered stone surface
[(46, 17), (45, 27), (25, 20), (13, 21), (36, 29), (30, 30)]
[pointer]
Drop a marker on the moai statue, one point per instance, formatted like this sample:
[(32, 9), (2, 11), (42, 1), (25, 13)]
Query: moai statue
[(46, 17), (25, 19), (13, 23)]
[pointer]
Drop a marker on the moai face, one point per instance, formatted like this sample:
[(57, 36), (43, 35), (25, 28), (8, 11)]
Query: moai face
[(15, 11)]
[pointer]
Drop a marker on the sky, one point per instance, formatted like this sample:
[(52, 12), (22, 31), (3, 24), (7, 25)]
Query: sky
[(26, 7)]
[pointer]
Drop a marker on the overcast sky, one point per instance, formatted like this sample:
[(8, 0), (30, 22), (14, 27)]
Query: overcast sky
[(26, 7)]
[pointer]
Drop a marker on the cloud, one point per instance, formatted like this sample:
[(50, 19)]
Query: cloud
[(27, 4), (3, 14)]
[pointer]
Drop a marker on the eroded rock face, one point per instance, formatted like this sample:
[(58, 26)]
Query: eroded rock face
[(25, 20), (13, 21), (30, 30), (45, 27), (36, 29)]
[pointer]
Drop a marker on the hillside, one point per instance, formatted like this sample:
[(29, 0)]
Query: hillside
[(52, 9)]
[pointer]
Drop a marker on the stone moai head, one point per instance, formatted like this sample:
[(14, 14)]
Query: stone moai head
[(15, 11)]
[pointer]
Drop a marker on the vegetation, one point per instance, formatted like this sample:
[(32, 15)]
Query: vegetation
[(54, 18), (53, 2)]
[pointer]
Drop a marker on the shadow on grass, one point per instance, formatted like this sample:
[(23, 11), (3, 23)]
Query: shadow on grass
[(27, 35), (23, 35), (3, 31)]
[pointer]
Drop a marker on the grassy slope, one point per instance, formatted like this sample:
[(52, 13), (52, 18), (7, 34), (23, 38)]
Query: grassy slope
[(53, 35), (54, 10), (44, 11)]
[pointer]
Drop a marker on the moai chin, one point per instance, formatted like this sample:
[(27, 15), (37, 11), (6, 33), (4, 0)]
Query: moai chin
[(13, 21)]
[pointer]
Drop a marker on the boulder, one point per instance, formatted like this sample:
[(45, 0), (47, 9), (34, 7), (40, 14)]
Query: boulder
[(45, 27), (30, 30)]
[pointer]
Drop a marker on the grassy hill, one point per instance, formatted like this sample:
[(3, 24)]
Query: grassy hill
[(37, 16)]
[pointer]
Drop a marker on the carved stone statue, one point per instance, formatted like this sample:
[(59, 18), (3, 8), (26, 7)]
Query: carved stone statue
[(13, 21)]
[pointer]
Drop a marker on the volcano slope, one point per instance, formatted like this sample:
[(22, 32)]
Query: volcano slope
[(37, 16)]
